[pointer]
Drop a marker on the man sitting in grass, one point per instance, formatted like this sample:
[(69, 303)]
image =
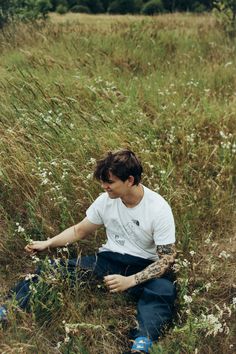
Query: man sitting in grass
[(139, 250)]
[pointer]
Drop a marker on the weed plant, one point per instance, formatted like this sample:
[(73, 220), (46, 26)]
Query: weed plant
[(71, 90)]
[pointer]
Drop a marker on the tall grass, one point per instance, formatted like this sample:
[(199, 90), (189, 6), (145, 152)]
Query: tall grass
[(70, 91)]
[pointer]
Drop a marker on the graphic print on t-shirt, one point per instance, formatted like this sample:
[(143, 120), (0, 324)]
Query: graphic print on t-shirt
[(129, 231), (116, 232)]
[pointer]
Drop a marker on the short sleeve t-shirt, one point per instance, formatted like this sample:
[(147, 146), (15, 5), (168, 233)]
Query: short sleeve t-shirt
[(135, 231)]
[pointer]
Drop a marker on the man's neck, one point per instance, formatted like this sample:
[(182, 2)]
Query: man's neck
[(134, 197)]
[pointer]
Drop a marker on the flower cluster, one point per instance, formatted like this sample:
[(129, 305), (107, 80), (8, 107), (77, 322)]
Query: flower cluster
[(180, 264), (47, 172), (216, 323), (51, 118), (193, 83), (19, 229), (227, 142), (224, 255), (73, 328)]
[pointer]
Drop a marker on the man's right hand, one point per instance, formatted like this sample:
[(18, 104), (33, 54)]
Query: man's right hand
[(37, 246)]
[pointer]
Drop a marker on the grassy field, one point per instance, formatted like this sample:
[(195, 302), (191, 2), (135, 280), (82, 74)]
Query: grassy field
[(77, 87)]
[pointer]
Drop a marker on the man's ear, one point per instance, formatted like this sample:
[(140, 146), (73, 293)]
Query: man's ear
[(131, 180)]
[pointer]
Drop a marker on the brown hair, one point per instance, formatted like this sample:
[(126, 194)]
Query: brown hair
[(121, 163)]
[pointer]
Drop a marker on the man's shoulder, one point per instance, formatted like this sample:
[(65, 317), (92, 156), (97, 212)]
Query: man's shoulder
[(153, 196), (156, 205), (104, 199)]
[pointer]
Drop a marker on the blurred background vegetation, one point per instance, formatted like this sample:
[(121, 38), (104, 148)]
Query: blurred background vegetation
[(73, 87), (35, 8), (31, 10)]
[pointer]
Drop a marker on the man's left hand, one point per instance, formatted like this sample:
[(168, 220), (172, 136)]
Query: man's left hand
[(118, 283)]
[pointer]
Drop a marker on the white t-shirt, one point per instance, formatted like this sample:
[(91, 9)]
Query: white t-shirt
[(135, 231)]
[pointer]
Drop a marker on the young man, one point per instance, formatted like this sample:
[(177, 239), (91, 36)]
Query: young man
[(139, 250)]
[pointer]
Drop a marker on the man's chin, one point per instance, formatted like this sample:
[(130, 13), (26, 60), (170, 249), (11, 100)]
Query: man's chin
[(112, 196)]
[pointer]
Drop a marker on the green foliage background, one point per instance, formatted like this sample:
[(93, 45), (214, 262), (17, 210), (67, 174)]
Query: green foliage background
[(70, 91)]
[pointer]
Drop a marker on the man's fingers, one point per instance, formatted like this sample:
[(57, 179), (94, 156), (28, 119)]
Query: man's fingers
[(114, 291), (114, 283), (114, 286), (111, 282), (110, 277), (29, 248)]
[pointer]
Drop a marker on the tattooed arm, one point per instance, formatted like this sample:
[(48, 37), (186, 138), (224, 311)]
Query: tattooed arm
[(118, 283), (166, 254)]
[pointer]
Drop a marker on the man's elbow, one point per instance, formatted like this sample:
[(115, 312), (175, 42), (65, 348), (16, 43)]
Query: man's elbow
[(79, 232)]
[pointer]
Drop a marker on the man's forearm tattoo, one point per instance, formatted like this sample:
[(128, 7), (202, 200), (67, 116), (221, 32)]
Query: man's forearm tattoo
[(167, 255)]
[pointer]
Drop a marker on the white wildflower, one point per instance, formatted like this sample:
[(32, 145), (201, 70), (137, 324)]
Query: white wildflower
[(20, 229), (222, 134), (188, 299), (192, 253), (33, 289), (67, 329), (186, 263), (89, 176), (67, 339), (35, 259), (224, 255), (190, 138), (57, 261), (208, 240), (195, 292), (65, 173), (44, 181), (207, 286), (213, 324), (30, 276), (227, 309), (58, 345), (234, 148)]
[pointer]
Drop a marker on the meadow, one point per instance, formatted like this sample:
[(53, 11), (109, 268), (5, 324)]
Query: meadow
[(70, 90)]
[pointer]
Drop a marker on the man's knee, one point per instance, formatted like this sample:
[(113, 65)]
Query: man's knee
[(162, 287)]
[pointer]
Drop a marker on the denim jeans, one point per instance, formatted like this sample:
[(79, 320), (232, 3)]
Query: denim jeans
[(155, 298)]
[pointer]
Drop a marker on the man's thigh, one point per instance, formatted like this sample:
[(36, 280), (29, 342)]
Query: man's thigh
[(99, 265), (161, 287)]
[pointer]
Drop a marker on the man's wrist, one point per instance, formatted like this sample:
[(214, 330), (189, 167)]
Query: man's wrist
[(132, 280), (49, 242)]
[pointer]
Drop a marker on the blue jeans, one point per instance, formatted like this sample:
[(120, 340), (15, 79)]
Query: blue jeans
[(155, 298)]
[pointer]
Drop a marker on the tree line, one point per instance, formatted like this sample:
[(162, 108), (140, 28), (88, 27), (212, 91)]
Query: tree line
[(149, 7), (29, 9), (26, 10)]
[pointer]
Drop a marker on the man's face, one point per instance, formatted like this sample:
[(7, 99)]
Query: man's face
[(115, 187)]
